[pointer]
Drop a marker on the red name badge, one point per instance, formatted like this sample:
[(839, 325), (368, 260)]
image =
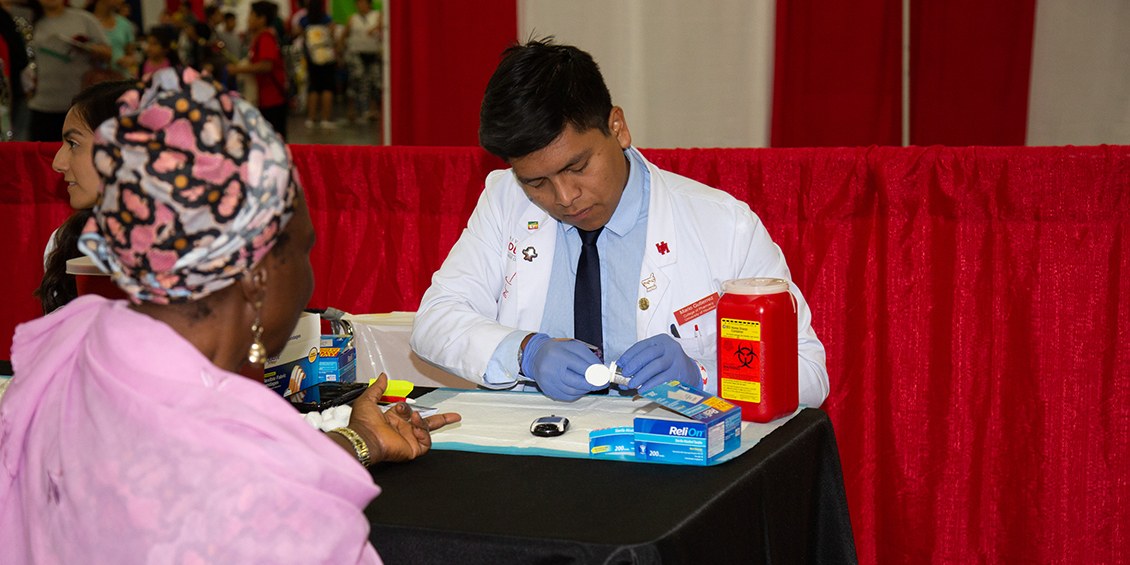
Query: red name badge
[(698, 308)]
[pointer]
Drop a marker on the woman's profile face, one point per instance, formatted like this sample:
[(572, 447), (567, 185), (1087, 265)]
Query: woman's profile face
[(290, 279), (75, 160)]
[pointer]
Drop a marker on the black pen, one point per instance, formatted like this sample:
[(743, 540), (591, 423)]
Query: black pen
[(674, 330)]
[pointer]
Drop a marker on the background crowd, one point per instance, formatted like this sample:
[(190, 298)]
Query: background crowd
[(51, 49)]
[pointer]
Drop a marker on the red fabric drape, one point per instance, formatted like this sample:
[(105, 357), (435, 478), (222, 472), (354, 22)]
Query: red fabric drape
[(969, 72), (975, 310), (837, 74), (171, 6), (33, 202), (973, 303), (399, 211), (443, 52)]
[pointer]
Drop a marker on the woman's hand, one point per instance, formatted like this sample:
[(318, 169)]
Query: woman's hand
[(399, 434)]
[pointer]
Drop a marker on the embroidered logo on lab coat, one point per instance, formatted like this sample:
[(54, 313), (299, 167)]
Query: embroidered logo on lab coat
[(662, 248)]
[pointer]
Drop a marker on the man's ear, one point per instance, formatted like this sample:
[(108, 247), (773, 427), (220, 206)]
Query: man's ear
[(619, 127)]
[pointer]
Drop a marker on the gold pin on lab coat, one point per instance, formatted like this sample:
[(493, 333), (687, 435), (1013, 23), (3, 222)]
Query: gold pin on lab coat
[(644, 304)]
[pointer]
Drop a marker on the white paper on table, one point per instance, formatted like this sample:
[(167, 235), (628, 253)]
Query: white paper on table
[(499, 421)]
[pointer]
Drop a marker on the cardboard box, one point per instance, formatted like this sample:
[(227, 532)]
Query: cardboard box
[(308, 359), (286, 372), (613, 443), (693, 428), (337, 363)]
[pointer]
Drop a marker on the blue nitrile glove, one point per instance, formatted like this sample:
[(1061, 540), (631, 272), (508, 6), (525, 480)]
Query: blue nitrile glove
[(656, 360), (558, 366)]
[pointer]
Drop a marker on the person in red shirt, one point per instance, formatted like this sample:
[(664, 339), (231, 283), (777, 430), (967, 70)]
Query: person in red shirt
[(266, 64)]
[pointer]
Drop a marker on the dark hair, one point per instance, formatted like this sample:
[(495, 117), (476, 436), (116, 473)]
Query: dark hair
[(265, 9), (57, 287), (99, 102), (209, 11), (315, 11), (95, 104), (167, 35), (537, 90), (36, 10)]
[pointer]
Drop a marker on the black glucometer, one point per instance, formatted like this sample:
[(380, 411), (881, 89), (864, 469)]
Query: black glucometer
[(549, 426)]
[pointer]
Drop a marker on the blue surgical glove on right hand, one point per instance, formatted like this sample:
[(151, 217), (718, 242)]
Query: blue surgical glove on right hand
[(656, 360), (558, 366)]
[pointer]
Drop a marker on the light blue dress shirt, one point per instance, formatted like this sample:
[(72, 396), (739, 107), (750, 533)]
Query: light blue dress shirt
[(621, 248)]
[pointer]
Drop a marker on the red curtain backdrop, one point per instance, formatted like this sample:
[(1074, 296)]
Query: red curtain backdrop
[(33, 202), (386, 219), (973, 303), (969, 73), (443, 52), (837, 74)]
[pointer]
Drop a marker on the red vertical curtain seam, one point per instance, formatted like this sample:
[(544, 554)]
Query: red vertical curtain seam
[(971, 63), (837, 74), (443, 52)]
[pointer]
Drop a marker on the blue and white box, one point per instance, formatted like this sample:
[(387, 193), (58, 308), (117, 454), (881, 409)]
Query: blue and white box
[(692, 427), (702, 428), (613, 443), (286, 373), (310, 359)]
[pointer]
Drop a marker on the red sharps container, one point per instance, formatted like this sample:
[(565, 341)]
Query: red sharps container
[(757, 347)]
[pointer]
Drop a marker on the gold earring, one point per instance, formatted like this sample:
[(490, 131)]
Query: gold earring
[(257, 354)]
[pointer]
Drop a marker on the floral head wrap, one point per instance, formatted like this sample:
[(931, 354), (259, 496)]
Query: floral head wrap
[(196, 188)]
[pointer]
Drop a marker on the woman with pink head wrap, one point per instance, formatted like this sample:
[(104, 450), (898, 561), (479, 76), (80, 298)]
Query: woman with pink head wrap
[(126, 435)]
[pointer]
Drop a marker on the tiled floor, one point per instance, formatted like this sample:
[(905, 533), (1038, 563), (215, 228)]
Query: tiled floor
[(359, 133)]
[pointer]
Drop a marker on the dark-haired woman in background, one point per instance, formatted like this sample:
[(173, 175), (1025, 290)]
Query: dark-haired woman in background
[(119, 32), (89, 108)]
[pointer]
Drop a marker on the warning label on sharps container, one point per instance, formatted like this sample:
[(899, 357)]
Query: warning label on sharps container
[(741, 329), (739, 360)]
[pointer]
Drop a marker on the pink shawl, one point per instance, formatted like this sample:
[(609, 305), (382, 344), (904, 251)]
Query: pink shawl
[(121, 443)]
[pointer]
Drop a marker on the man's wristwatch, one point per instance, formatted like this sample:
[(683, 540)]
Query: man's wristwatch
[(521, 350)]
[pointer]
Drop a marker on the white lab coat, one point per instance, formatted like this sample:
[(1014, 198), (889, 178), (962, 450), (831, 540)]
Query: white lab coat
[(495, 278)]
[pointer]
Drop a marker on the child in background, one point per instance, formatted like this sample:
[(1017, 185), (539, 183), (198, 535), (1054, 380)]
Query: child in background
[(266, 64), (318, 33), (363, 45), (233, 43), (160, 52)]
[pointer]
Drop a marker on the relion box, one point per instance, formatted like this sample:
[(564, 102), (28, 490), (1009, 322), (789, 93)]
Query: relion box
[(695, 429)]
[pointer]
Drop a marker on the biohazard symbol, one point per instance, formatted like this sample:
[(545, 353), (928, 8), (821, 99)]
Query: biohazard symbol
[(746, 356)]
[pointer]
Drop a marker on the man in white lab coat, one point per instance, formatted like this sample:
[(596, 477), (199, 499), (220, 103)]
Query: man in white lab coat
[(522, 302)]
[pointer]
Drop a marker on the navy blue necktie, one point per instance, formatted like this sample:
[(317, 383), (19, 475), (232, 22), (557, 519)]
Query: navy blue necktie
[(586, 293)]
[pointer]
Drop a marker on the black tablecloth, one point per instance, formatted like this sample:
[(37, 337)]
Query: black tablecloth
[(781, 502)]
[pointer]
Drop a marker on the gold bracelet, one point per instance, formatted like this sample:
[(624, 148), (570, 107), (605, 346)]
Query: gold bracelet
[(358, 444)]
